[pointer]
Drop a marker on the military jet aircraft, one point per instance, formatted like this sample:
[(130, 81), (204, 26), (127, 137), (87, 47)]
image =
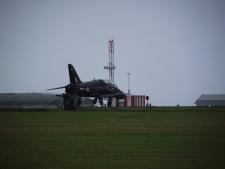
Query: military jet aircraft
[(98, 89)]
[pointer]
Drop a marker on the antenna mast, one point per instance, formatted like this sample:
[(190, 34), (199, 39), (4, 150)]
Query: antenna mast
[(111, 66)]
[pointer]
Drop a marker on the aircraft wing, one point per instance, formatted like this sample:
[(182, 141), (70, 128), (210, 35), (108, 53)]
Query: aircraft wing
[(57, 88)]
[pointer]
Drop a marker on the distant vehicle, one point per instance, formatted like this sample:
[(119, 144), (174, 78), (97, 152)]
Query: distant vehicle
[(98, 89)]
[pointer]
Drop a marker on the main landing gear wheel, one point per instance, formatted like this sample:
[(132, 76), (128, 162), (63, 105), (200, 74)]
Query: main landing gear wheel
[(71, 102)]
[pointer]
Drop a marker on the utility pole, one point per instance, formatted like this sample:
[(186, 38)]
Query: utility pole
[(128, 76)]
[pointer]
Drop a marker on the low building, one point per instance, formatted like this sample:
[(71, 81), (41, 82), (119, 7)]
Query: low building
[(134, 101), (29, 100), (211, 100)]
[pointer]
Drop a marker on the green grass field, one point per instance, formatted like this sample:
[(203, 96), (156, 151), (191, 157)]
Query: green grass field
[(160, 139)]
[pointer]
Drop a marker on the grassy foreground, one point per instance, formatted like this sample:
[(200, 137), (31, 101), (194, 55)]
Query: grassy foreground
[(160, 139)]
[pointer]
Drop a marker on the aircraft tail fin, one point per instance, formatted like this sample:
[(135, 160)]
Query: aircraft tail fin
[(74, 78)]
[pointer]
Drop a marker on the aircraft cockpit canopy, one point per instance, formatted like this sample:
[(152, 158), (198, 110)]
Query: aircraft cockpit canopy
[(109, 83), (99, 82)]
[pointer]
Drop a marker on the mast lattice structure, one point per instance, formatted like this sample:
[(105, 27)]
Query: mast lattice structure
[(111, 67)]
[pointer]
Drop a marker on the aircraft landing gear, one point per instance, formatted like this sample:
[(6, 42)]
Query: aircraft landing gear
[(100, 101), (109, 103), (71, 102), (95, 101)]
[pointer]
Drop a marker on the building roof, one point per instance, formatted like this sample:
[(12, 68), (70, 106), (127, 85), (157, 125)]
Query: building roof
[(211, 97), (29, 100), (27, 96)]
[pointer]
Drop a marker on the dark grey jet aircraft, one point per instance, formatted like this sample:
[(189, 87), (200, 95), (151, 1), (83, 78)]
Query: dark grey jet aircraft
[(98, 89)]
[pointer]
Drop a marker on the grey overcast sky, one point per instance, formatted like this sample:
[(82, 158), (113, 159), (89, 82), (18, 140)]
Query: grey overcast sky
[(174, 49)]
